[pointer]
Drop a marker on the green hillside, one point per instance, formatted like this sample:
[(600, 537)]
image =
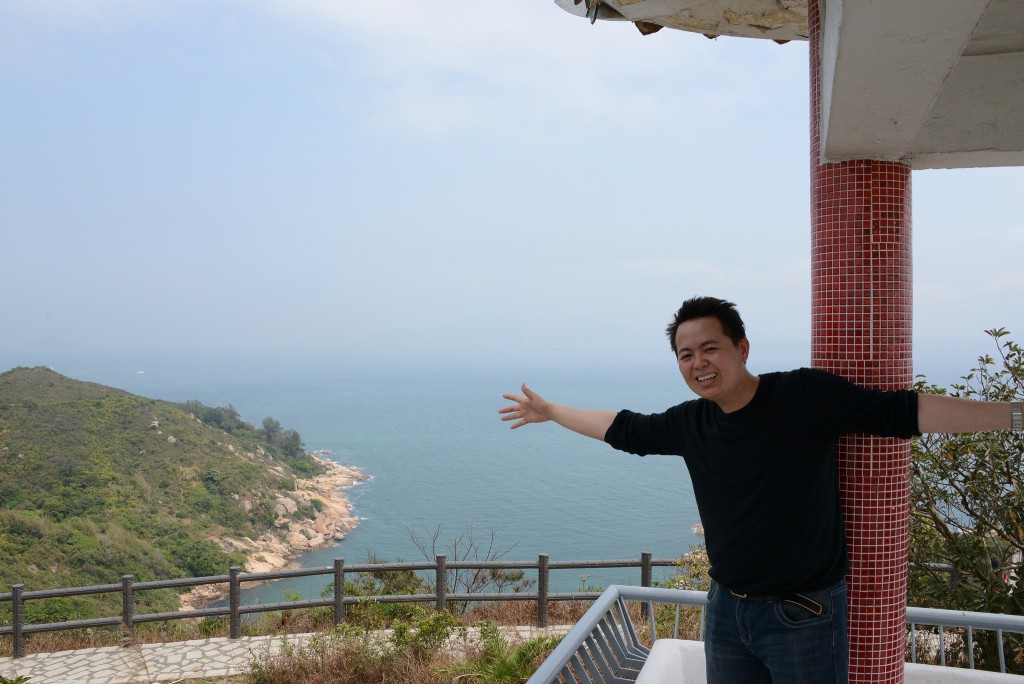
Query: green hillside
[(96, 483)]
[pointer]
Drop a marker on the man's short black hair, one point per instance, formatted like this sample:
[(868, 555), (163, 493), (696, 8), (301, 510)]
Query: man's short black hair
[(704, 307)]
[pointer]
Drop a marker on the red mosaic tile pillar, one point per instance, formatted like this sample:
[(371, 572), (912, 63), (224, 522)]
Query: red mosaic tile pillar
[(861, 326)]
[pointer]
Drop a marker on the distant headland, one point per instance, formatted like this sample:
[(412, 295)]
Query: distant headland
[(96, 483)]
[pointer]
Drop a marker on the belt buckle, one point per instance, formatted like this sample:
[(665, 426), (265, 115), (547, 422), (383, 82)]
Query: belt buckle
[(738, 594)]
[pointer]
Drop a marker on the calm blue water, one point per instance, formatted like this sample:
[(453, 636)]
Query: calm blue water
[(438, 455)]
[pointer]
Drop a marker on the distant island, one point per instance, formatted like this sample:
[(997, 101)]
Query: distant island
[(96, 483)]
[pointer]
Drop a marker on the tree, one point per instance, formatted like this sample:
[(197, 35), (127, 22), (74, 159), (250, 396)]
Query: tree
[(271, 430), (967, 502), (291, 445), (469, 546)]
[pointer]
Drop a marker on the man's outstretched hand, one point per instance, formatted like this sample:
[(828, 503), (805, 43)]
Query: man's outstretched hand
[(529, 407)]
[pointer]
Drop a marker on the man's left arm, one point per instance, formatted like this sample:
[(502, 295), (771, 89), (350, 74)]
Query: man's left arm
[(938, 413)]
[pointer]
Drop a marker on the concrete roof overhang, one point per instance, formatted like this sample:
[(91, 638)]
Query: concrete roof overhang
[(933, 83)]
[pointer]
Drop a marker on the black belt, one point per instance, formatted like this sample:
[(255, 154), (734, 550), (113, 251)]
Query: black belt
[(797, 599)]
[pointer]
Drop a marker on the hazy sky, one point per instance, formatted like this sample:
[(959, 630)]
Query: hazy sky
[(425, 180)]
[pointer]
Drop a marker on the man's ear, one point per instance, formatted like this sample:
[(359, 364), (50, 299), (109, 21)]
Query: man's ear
[(744, 347)]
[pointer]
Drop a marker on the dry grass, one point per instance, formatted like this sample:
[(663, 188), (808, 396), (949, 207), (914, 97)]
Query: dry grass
[(345, 662), (525, 612)]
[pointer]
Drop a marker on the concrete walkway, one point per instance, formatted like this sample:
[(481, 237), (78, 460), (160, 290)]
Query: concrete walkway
[(173, 662)]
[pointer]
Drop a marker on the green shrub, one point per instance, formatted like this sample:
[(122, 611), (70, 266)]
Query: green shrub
[(501, 662), (429, 631)]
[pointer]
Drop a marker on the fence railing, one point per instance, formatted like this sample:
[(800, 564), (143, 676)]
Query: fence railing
[(234, 610), (606, 645), (936, 617)]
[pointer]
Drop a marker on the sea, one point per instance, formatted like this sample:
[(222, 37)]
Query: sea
[(444, 471)]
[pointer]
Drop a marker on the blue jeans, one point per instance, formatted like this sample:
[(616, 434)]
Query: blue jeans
[(761, 639)]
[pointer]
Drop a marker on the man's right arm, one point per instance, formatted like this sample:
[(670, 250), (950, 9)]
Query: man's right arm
[(530, 407)]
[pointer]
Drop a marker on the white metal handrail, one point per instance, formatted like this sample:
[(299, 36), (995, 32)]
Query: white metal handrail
[(603, 647)]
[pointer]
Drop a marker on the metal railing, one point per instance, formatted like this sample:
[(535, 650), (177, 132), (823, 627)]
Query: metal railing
[(942, 619), (606, 646), (234, 610)]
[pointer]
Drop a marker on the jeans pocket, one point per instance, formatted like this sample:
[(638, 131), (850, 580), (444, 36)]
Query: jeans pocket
[(805, 609)]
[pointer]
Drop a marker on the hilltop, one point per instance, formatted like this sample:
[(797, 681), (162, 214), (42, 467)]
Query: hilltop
[(96, 483)]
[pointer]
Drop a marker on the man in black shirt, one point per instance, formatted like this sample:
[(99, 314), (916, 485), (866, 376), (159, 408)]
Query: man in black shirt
[(759, 450)]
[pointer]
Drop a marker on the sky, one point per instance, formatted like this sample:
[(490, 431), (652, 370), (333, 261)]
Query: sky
[(426, 181)]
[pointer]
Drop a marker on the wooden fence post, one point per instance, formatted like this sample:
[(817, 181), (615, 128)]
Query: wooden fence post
[(441, 582), (339, 591), (234, 602), (542, 590), (128, 605), (645, 579), (18, 620)]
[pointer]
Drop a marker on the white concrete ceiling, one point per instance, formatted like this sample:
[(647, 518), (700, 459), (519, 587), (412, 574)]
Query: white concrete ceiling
[(935, 83)]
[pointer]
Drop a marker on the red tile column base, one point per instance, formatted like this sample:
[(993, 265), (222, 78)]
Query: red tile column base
[(862, 329)]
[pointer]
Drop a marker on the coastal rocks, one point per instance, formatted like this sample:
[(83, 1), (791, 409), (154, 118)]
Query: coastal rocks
[(323, 526), (285, 506), (290, 533), (297, 540)]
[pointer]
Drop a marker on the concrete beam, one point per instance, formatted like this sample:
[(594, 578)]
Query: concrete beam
[(978, 119), (884, 65)]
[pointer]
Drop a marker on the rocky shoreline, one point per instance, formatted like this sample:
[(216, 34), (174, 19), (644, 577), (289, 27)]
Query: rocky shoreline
[(277, 548)]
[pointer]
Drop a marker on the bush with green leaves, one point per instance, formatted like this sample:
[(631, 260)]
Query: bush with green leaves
[(500, 661), (428, 632), (691, 573), (371, 614), (967, 507), (412, 652)]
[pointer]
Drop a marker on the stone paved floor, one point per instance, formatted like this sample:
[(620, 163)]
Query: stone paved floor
[(174, 662)]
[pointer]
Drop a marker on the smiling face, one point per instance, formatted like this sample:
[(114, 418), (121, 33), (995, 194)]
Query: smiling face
[(714, 366)]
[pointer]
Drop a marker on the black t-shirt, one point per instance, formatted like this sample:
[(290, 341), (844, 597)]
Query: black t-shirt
[(764, 476)]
